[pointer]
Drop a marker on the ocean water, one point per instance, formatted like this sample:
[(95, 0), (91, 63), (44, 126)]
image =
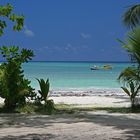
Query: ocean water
[(72, 75)]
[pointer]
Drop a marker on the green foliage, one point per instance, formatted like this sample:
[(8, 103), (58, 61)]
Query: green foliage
[(14, 88), (43, 95), (132, 45), (130, 76), (132, 92), (131, 17), (44, 89), (6, 13), (50, 106), (32, 108), (28, 108)]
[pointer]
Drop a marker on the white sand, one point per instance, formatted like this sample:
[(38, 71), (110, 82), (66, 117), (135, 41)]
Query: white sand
[(96, 101), (98, 125), (79, 126), (97, 97)]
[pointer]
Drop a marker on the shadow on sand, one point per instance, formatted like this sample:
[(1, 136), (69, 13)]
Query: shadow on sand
[(128, 122)]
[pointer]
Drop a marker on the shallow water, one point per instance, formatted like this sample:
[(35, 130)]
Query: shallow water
[(72, 75)]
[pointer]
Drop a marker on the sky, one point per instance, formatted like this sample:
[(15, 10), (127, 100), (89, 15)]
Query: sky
[(70, 30)]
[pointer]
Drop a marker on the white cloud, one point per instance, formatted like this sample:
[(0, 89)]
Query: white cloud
[(64, 48), (68, 46), (28, 32), (85, 35)]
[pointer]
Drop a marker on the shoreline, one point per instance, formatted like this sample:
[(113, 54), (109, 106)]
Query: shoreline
[(101, 97), (87, 92)]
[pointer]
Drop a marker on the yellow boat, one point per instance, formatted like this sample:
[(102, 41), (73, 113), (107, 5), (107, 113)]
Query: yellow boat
[(107, 67)]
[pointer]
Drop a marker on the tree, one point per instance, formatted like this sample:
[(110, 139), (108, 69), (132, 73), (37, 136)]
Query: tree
[(131, 17), (132, 44), (14, 88), (131, 84), (6, 13), (130, 77)]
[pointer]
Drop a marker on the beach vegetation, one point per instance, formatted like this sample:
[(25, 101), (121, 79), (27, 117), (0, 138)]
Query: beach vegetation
[(71, 109), (44, 90), (43, 95), (6, 12), (131, 75), (131, 17), (32, 108), (14, 88)]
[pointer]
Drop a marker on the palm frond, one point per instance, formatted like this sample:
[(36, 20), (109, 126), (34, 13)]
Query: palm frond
[(130, 74), (131, 17), (44, 88), (133, 44)]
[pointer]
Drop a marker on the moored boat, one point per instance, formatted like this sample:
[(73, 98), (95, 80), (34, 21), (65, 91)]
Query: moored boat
[(107, 67), (94, 67)]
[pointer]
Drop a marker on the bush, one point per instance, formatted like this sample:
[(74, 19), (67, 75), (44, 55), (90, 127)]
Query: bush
[(14, 88), (43, 95), (44, 90)]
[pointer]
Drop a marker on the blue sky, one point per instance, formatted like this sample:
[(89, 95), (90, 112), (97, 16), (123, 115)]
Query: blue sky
[(70, 30)]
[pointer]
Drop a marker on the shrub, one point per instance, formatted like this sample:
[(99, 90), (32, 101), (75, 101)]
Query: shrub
[(43, 95), (14, 88), (132, 92), (44, 90)]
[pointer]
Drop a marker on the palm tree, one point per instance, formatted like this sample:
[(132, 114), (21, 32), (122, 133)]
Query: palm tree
[(131, 17), (132, 44), (130, 77)]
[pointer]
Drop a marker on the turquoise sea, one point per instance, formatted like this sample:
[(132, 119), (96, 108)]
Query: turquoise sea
[(72, 75)]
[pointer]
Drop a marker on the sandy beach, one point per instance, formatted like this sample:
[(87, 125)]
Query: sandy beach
[(90, 125), (91, 101), (91, 97), (73, 71), (79, 126), (94, 97)]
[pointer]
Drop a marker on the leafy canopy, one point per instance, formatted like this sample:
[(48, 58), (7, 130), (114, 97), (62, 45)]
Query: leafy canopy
[(6, 13)]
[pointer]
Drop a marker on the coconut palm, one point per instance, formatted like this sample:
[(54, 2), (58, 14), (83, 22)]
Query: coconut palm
[(131, 75), (131, 17), (132, 45), (131, 83)]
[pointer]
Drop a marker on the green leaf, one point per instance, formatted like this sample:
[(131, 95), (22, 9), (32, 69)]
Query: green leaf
[(126, 91)]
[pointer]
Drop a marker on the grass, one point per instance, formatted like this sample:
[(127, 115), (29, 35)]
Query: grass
[(65, 108), (31, 108), (73, 108)]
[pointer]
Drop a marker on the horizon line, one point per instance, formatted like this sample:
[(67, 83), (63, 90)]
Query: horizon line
[(79, 61)]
